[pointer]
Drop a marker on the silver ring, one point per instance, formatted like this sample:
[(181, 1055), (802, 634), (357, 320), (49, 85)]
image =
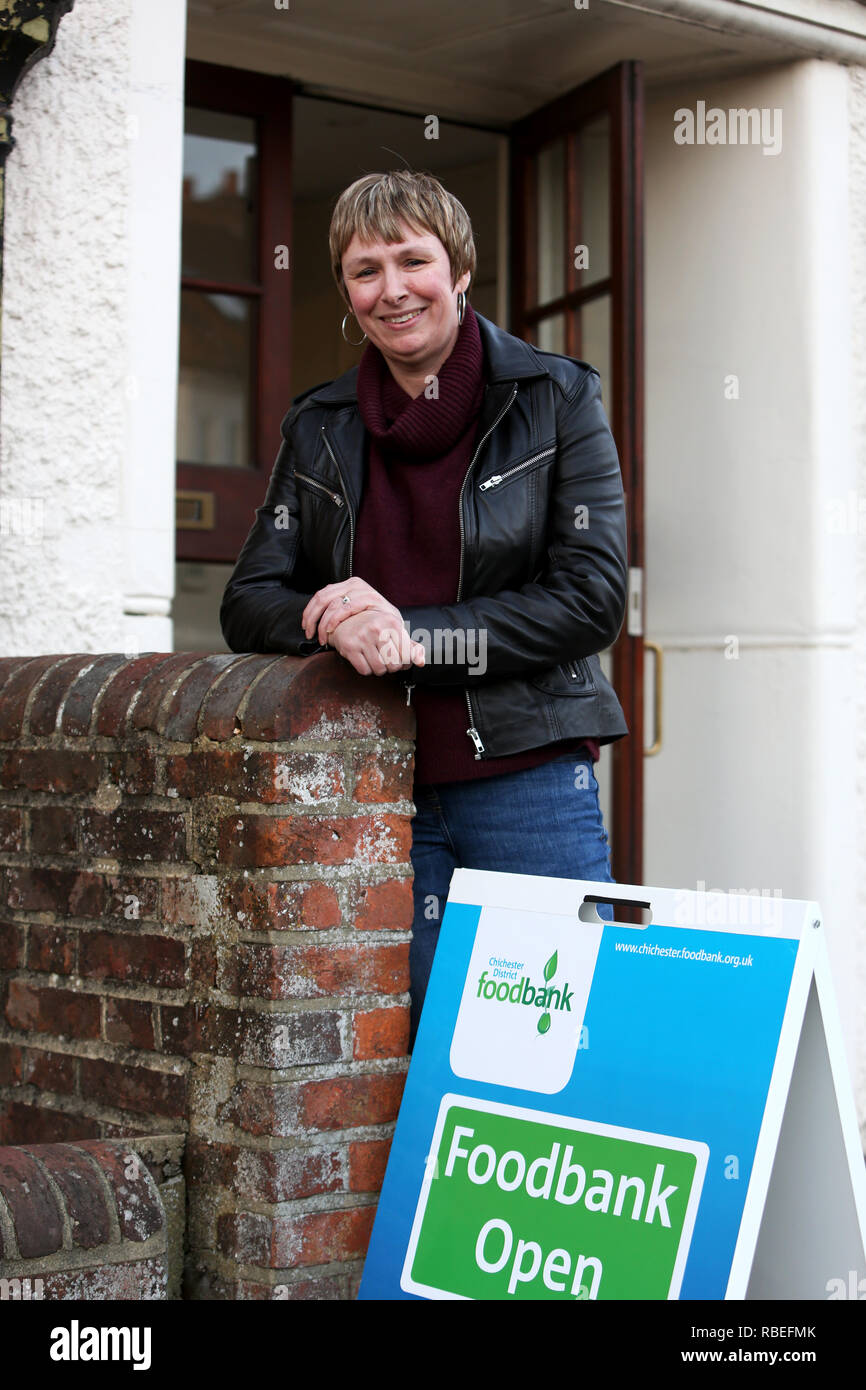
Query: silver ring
[(346, 599)]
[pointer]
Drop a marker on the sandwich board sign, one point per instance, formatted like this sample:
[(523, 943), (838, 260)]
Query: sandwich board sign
[(600, 1110)]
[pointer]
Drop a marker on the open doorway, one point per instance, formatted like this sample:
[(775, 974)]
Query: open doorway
[(225, 189)]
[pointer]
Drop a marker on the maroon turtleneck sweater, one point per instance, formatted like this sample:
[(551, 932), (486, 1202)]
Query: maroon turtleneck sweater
[(407, 541)]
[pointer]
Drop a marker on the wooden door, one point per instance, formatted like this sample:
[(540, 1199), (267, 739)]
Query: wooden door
[(577, 288)]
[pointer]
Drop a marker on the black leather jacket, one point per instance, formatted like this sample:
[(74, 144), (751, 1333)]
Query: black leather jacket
[(543, 549)]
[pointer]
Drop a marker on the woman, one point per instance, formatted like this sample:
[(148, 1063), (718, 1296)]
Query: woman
[(451, 509)]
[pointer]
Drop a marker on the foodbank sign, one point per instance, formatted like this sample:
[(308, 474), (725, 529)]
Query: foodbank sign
[(545, 997), (516, 1203), (520, 1021)]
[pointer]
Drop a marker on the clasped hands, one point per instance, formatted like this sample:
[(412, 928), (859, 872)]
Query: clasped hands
[(367, 630)]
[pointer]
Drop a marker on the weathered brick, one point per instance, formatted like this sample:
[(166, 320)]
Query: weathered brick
[(245, 1236), (30, 1066), (133, 771), (384, 774), (256, 775), (144, 960), (321, 1237), (130, 833), (219, 715), (137, 1088), (140, 1279), (130, 1128), (367, 1162), (53, 830), (11, 830), (380, 1033), (266, 906), (280, 840), (139, 1210), (183, 709), (21, 1123), (155, 688), (209, 1162), (329, 1288), (17, 690), (347, 1102), (53, 691), (79, 704), (114, 703), (62, 1012), (286, 1175), (203, 962), (35, 1214), (322, 697), (49, 770), (129, 1022), (9, 666), (318, 1238), (11, 945), (200, 1027), (261, 1109), (67, 892), (386, 906), (289, 1040), (181, 903), (51, 948), (83, 1194), (308, 972), (131, 898)]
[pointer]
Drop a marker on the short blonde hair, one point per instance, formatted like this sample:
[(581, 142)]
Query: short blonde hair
[(374, 207)]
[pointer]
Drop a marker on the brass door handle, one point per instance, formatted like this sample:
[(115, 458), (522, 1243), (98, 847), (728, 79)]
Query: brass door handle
[(658, 691)]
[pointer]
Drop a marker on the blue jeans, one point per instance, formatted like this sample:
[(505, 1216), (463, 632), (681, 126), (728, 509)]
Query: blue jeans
[(539, 820)]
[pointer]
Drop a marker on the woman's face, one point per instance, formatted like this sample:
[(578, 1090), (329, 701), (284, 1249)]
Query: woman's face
[(402, 296)]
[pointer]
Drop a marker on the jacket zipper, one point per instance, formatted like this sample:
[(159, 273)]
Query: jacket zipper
[(498, 478), (472, 730), (483, 441), (334, 496), (345, 498)]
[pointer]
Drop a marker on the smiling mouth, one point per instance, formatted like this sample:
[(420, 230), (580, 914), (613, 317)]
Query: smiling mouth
[(397, 320)]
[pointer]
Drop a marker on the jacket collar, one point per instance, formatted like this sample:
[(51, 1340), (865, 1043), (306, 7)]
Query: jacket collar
[(506, 359)]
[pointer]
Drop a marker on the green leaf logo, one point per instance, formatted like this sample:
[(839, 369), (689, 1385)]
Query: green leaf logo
[(544, 1023), (550, 967)]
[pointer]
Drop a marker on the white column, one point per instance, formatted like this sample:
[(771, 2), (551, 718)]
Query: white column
[(749, 441), (158, 34), (89, 366)]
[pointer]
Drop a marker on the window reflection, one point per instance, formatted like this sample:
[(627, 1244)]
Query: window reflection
[(214, 417), (550, 175), (595, 199), (219, 197)]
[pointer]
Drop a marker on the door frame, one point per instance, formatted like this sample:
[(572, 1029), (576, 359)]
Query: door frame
[(617, 92)]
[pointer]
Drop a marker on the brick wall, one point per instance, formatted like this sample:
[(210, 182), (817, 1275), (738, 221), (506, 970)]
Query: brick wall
[(204, 862), (95, 1220)]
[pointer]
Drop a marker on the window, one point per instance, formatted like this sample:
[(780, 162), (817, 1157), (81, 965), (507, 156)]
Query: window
[(235, 303)]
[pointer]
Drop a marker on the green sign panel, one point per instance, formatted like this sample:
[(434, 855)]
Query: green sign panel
[(520, 1204)]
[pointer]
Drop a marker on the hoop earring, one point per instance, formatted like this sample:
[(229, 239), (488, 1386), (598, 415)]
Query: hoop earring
[(461, 305), (350, 315)]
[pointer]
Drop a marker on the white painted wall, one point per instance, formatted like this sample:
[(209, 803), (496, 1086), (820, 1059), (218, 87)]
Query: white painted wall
[(89, 334), (857, 299), (749, 273)]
